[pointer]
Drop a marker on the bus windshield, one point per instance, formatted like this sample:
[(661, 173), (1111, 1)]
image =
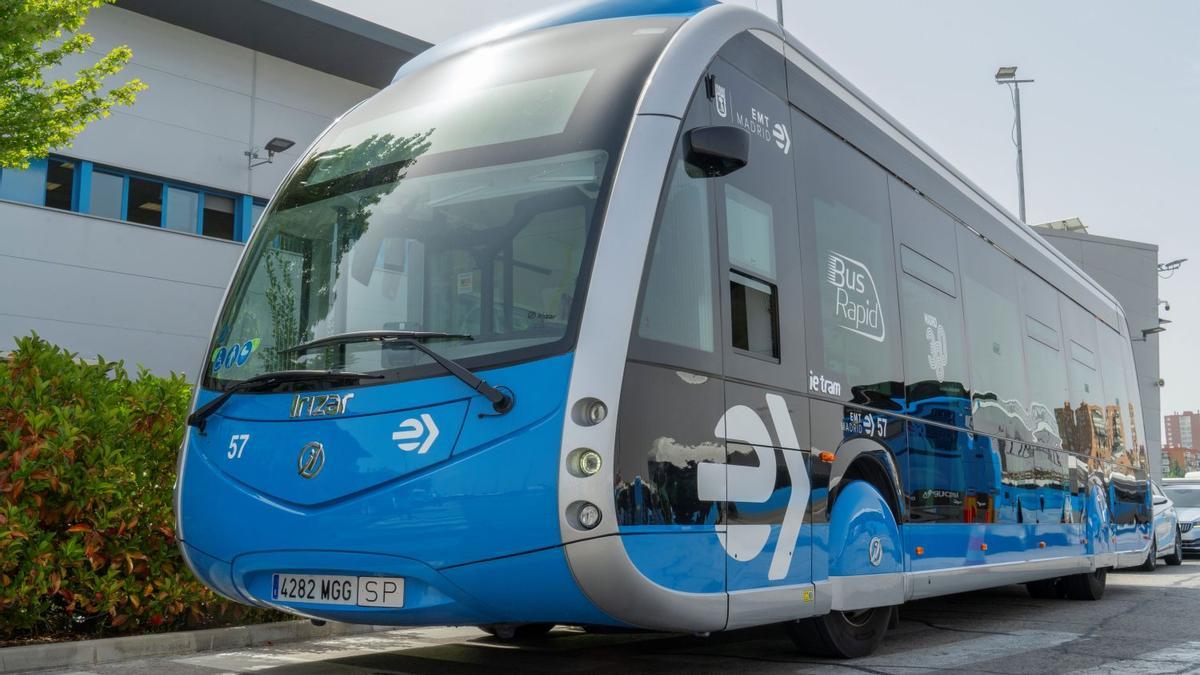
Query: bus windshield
[(460, 200)]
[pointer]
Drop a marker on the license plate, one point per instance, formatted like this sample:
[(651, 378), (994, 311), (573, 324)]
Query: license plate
[(328, 589)]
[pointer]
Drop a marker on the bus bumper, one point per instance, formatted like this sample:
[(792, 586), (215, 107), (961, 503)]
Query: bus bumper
[(535, 587)]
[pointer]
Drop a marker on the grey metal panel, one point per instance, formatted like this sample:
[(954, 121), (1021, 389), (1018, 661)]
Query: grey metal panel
[(865, 591), (86, 283), (772, 604), (689, 53), (300, 31)]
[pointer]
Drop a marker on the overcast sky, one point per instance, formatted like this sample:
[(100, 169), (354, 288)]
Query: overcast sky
[(1110, 126)]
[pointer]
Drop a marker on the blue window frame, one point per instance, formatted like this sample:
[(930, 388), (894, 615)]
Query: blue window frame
[(81, 186)]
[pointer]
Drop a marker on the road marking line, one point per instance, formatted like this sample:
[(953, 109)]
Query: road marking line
[(1182, 658)]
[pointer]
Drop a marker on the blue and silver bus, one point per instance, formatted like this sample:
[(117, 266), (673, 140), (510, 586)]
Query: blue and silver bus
[(638, 315)]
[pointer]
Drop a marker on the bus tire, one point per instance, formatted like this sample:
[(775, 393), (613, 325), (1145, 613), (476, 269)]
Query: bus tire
[(516, 632), (1046, 589), (1176, 556), (1086, 586), (1151, 562), (842, 635)]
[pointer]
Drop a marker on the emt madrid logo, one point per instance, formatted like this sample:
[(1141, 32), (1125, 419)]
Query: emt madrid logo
[(856, 303), (234, 356)]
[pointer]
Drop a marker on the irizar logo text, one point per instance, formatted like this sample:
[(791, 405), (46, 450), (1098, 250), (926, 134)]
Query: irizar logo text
[(856, 302), (756, 484)]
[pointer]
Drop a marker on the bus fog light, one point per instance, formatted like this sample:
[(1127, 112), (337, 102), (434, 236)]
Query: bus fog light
[(589, 412), (589, 516)]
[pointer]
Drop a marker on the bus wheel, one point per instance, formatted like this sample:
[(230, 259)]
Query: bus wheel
[(517, 631), (1046, 589), (1151, 562), (844, 635), (1086, 586), (1176, 557)]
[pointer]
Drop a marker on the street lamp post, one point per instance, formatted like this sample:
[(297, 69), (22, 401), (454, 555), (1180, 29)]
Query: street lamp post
[(1008, 75)]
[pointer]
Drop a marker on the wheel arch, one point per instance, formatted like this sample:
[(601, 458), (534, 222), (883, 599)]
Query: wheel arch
[(868, 460)]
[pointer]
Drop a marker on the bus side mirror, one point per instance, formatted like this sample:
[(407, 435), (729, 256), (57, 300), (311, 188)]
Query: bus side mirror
[(717, 151)]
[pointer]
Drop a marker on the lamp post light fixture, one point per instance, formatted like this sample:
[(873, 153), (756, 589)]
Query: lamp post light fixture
[(1007, 75), (273, 146)]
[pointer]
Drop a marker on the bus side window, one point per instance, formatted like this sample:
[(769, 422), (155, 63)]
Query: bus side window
[(677, 305), (753, 294), (935, 354), (993, 312), (852, 320), (1045, 362), (1082, 418), (1116, 394)]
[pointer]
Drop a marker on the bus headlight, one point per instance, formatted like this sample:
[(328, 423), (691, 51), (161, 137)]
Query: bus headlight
[(584, 462)]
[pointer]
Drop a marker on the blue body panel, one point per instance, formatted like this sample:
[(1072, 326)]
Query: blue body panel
[(860, 515), (485, 488)]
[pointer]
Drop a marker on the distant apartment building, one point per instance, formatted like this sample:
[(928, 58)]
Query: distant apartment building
[(1180, 461), (1183, 430)]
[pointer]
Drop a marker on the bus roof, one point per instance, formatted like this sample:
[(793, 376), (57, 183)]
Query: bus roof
[(560, 15)]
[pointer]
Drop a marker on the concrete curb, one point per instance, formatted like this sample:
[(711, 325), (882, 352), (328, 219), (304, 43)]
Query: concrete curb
[(108, 650)]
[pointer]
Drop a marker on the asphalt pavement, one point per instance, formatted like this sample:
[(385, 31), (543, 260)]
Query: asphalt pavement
[(1146, 623)]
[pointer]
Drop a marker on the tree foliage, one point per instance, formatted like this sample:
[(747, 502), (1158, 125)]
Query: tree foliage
[(37, 116)]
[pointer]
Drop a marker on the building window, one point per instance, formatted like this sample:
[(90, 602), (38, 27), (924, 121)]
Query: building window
[(183, 208), (60, 183), (145, 202), (106, 195), (28, 185), (256, 211), (218, 217)]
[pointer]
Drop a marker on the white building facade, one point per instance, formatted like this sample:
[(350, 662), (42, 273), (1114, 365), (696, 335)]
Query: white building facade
[(122, 245)]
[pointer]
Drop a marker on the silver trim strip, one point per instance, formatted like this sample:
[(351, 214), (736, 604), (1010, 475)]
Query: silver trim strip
[(601, 566), (977, 577), (1132, 558), (867, 590), (604, 572), (772, 604)]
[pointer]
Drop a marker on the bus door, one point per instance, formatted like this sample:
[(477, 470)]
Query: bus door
[(765, 423)]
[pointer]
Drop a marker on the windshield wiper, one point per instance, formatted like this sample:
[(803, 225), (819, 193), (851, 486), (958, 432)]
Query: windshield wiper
[(267, 381), (501, 402)]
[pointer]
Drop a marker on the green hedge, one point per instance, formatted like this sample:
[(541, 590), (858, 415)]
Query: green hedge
[(87, 464)]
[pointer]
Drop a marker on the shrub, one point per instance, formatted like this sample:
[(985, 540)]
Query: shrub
[(87, 464)]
